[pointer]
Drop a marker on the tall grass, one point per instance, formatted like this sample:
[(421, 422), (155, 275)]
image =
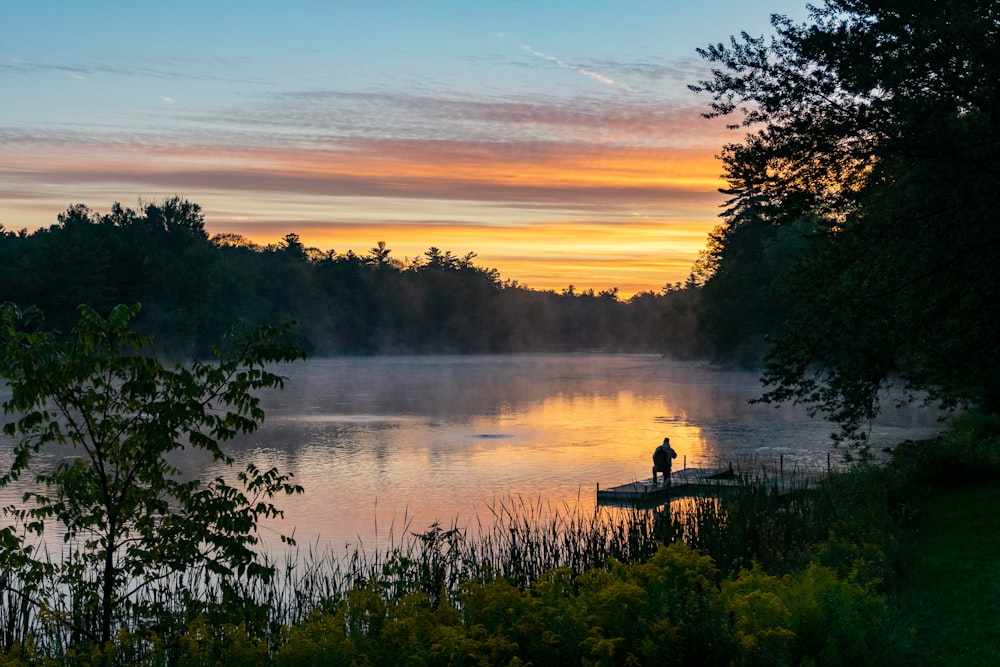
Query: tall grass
[(760, 520)]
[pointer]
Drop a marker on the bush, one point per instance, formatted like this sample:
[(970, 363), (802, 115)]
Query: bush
[(970, 450), (809, 616)]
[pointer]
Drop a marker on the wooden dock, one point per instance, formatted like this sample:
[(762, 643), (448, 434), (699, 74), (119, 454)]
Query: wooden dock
[(690, 482)]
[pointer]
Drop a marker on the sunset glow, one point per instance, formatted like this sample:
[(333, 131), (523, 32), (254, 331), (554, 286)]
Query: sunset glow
[(561, 149)]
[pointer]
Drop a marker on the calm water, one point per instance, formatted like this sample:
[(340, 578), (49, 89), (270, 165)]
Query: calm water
[(390, 444)]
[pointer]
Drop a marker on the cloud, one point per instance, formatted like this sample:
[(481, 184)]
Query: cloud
[(565, 168), (184, 69), (328, 116), (585, 151), (632, 218), (434, 177), (596, 76)]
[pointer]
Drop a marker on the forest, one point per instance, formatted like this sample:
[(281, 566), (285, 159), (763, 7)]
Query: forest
[(193, 287)]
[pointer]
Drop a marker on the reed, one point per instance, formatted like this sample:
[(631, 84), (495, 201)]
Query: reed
[(767, 517), (761, 520)]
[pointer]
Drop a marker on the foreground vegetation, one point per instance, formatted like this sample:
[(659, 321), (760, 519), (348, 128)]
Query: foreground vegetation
[(853, 572)]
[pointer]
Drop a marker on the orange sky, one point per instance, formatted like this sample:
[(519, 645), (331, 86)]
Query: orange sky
[(559, 143), (546, 215)]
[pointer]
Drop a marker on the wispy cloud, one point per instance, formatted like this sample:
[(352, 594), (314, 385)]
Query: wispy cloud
[(181, 69), (594, 120), (543, 169), (559, 175), (596, 76)]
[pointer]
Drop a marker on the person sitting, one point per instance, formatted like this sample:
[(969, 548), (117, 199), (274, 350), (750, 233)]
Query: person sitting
[(663, 457)]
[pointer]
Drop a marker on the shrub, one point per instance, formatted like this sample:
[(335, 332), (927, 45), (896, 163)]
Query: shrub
[(807, 616), (969, 451)]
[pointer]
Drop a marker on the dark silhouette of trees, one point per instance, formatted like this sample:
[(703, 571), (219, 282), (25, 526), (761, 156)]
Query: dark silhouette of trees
[(746, 298), (193, 287), (870, 172)]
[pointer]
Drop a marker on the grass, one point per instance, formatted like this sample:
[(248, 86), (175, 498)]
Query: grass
[(518, 543), (920, 539), (949, 594)]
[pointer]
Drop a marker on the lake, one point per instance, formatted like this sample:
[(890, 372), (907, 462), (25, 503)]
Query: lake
[(385, 445)]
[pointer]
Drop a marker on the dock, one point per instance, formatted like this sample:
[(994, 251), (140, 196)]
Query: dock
[(690, 482)]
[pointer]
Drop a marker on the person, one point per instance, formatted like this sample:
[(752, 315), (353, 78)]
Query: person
[(663, 457)]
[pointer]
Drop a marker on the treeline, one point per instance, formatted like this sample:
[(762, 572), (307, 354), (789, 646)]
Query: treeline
[(193, 287)]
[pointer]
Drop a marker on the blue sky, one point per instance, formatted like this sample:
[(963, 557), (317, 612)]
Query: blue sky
[(557, 140)]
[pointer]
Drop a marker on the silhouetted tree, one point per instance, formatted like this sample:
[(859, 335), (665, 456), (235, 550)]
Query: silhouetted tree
[(114, 418), (192, 287), (875, 123)]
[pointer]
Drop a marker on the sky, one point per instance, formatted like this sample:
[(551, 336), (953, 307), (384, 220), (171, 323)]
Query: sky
[(557, 140)]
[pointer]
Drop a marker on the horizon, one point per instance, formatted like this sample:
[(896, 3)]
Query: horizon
[(558, 142)]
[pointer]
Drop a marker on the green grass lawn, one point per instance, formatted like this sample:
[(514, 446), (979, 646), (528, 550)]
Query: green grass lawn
[(950, 589)]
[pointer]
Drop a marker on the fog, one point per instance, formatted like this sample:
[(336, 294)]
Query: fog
[(392, 444)]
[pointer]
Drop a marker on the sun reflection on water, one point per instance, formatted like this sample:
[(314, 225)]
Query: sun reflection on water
[(385, 447)]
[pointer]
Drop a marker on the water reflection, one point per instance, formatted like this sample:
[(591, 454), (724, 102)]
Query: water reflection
[(402, 442), (390, 445)]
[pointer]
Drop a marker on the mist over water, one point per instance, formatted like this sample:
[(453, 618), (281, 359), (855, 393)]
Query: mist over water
[(388, 445), (396, 442)]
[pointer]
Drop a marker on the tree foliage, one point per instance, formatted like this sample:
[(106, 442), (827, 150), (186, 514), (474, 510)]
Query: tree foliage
[(192, 286), (873, 128), (96, 424)]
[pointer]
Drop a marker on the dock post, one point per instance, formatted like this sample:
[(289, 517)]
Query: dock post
[(781, 466), (828, 463)]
